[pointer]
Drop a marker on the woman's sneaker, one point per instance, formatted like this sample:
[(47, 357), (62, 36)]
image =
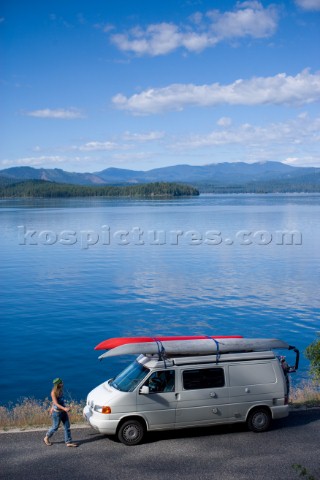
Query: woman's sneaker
[(71, 444), (47, 441)]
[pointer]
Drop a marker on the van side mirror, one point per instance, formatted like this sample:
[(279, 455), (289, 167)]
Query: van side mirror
[(144, 390)]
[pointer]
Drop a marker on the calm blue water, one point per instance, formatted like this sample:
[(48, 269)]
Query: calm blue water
[(76, 272)]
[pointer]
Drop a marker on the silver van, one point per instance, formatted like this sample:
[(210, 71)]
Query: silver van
[(195, 391)]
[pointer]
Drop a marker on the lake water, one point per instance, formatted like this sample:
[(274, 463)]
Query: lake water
[(76, 272)]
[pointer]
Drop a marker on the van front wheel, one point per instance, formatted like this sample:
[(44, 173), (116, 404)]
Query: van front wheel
[(131, 432), (259, 420)]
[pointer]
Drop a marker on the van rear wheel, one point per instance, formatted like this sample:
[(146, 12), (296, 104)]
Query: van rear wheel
[(259, 420), (131, 432)]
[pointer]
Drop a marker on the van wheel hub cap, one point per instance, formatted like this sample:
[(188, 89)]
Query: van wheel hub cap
[(259, 420), (131, 432)]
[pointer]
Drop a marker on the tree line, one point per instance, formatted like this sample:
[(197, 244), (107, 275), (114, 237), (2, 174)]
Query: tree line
[(44, 189), (261, 188)]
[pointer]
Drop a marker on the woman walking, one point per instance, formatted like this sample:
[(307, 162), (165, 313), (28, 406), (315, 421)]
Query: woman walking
[(59, 414)]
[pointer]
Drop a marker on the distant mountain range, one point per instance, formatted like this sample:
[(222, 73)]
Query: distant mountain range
[(220, 175)]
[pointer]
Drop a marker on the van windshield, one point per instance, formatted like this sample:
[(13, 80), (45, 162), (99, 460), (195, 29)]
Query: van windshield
[(130, 377)]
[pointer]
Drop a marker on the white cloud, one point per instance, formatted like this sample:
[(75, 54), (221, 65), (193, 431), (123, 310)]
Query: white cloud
[(309, 4), (59, 113), (297, 133), (105, 27), (68, 163), (224, 122), (96, 147), (248, 19), (34, 161), (110, 146), (294, 141), (108, 27), (157, 39), (143, 137), (303, 161), (125, 157), (281, 89), (292, 160)]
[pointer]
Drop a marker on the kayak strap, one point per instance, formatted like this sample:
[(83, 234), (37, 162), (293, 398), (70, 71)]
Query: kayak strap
[(161, 351), (217, 345)]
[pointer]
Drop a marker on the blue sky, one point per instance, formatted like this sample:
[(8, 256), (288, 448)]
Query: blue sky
[(87, 85)]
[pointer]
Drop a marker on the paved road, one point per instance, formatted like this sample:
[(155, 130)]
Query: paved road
[(222, 453)]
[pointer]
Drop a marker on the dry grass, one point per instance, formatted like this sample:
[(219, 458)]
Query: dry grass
[(34, 413), (305, 394)]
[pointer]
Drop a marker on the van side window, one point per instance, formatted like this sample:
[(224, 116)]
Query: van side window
[(203, 378), (161, 381)]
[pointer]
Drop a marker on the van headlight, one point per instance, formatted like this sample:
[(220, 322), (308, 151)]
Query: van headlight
[(102, 409)]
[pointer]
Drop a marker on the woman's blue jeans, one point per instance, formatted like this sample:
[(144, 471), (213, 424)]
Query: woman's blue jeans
[(57, 418)]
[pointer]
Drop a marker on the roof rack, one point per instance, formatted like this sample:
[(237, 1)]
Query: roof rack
[(201, 359), (224, 357)]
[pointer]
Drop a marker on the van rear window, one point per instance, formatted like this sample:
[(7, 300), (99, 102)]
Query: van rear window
[(203, 378)]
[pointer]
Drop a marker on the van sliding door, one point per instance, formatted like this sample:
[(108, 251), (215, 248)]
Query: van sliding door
[(203, 398)]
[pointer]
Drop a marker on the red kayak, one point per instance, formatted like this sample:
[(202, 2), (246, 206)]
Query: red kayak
[(117, 342)]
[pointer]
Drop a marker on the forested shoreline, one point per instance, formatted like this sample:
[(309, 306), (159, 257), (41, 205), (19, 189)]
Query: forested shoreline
[(10, 188), (44, 189), (260, 188)]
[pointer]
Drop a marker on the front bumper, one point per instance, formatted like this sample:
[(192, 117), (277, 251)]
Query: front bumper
[(101, 422)]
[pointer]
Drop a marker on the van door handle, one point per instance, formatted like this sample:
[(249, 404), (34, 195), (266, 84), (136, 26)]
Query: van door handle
[(177, 395), (213, 395), (247, 390)]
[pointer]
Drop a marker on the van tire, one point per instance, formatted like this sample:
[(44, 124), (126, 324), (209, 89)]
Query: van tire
[(259, 420), (131, 432)]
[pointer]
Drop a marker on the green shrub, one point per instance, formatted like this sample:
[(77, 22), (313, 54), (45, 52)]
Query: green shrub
[(312, 353)]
